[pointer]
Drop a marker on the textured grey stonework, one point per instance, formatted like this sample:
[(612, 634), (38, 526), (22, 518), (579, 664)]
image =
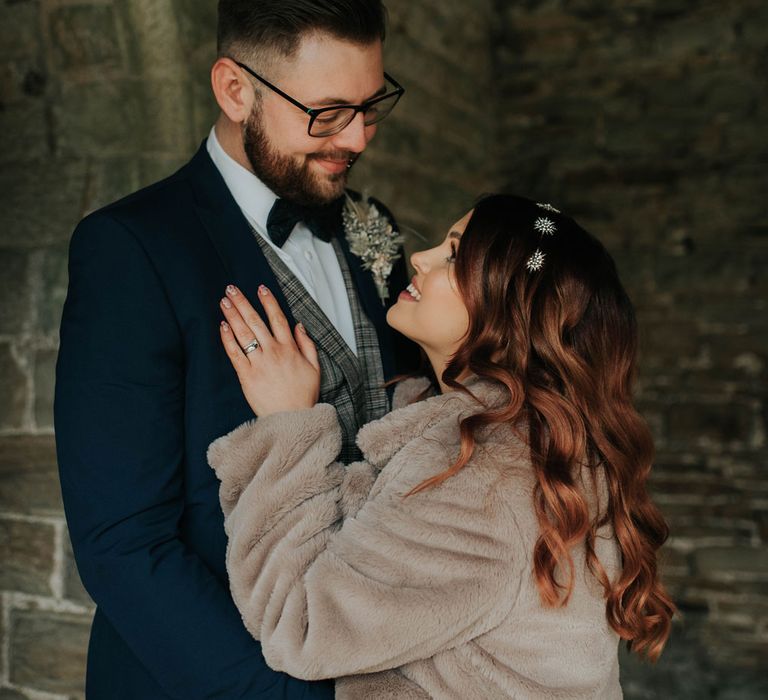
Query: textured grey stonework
[(644, 119)]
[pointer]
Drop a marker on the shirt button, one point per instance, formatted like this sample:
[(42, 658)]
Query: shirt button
[(308, 255)]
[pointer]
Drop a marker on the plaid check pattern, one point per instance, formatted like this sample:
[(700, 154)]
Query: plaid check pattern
[(352, 384), (368, 351)]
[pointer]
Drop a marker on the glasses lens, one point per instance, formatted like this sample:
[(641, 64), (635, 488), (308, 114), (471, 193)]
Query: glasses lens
[(331, 122), (378, 110)]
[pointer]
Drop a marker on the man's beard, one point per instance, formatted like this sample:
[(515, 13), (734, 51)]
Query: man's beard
[(287, 178)]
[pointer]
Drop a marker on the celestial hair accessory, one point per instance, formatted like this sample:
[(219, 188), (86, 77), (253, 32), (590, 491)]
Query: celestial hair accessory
[(545, 227), (536, 261)]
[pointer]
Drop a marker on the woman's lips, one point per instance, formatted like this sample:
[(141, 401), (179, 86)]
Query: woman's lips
[(411, 293)]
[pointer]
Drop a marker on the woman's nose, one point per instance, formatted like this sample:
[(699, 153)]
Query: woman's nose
[(419, 261)]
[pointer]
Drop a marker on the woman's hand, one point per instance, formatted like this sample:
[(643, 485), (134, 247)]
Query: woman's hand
[(278, 372)]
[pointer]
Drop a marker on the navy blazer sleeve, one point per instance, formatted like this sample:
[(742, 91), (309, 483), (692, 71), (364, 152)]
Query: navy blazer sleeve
[(119, 417)]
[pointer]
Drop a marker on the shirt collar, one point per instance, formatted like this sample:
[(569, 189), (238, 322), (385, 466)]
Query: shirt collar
[(253, 197)]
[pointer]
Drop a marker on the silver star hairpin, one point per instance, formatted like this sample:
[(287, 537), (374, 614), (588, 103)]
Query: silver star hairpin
[(546, 227), (536, 261)]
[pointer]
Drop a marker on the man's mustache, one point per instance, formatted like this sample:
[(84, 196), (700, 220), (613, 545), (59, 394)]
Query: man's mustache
[(349, 156)]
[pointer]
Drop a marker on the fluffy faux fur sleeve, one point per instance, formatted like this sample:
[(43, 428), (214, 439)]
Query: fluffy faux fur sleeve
[(330, 596)]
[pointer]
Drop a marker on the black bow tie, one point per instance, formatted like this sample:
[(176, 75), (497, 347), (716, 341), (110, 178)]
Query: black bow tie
[(322, 221)]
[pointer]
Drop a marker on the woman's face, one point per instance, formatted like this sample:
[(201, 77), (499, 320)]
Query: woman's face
[(431, 311)]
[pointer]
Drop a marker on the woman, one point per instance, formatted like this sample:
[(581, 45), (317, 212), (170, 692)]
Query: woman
[(498, 539)]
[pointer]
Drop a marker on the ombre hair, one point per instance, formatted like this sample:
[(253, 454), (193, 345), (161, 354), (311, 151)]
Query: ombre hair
[(563, 340)]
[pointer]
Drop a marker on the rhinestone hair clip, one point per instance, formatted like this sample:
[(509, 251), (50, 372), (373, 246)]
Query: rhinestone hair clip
[(546, 227)]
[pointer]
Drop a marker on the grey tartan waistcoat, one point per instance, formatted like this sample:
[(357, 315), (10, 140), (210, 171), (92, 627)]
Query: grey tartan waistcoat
[(352, 384)]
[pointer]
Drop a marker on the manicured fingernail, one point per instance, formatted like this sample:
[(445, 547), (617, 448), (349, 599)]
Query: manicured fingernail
[(301, 328), (263, 290), (231, 290), (226, 303), (225, 326)]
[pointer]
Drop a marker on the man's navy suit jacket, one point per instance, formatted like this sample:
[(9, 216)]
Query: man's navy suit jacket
[(142, 387)]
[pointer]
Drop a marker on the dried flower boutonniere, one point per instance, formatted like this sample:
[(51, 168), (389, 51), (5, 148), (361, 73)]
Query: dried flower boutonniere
[(373, 239)]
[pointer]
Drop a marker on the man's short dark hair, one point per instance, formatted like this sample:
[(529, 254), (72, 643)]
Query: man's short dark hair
[(259, 29)]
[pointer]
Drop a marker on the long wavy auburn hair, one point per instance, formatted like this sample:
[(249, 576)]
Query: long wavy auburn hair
[(563, 340)]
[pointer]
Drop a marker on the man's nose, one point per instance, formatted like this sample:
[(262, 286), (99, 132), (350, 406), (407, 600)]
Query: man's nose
[(355, 136)]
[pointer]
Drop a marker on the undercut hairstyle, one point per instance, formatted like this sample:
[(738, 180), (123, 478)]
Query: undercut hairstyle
[(262, 31)]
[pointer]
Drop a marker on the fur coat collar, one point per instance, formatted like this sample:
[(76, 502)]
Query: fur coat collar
[(381, 439)]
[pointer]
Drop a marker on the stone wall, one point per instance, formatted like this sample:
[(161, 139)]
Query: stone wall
[(96, 99), (646, 119)]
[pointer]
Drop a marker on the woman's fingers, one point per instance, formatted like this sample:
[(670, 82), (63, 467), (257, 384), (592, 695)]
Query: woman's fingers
[(232, 348), (243, 333), (277, 321), (243, 314), (306, 346)]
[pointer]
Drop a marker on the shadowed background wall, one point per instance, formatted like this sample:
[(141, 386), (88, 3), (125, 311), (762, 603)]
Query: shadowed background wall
[(644, 119)]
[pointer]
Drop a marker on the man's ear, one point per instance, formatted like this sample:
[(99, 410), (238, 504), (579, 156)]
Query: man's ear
[(234, 92)]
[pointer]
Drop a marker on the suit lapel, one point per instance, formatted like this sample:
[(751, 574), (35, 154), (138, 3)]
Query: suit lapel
[(246, 264), (230, 233)]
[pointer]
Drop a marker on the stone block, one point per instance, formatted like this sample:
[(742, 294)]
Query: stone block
[(84, 36), (14, 291), (730, 561), (711, 273), (669, 342), (694, 34), (26, 550), (445, 82), (29, 478), (101, 118), (737, 615), (24, 130), (454, 155), (48, 650), (19, 30), (14, 390), (745, 684), (195, 21), (167, 117), (41, 201), (694, 422), (45, 376)]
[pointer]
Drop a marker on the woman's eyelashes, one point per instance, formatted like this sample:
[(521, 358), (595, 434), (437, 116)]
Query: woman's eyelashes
[(452, 256)]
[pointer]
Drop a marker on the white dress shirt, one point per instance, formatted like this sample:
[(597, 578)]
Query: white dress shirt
[(313, 261)]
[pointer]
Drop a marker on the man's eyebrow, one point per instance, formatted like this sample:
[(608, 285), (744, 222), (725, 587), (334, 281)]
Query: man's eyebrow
[(333, 101)]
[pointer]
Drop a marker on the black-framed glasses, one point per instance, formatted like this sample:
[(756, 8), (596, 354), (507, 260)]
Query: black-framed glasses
[(327, 121)]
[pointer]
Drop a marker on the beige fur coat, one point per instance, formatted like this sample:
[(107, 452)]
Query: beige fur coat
[(341, 577)]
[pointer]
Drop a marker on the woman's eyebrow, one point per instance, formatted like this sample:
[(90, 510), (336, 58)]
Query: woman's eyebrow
[(454, 234)]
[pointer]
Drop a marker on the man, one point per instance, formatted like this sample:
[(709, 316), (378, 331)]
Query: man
[(143, 384)]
